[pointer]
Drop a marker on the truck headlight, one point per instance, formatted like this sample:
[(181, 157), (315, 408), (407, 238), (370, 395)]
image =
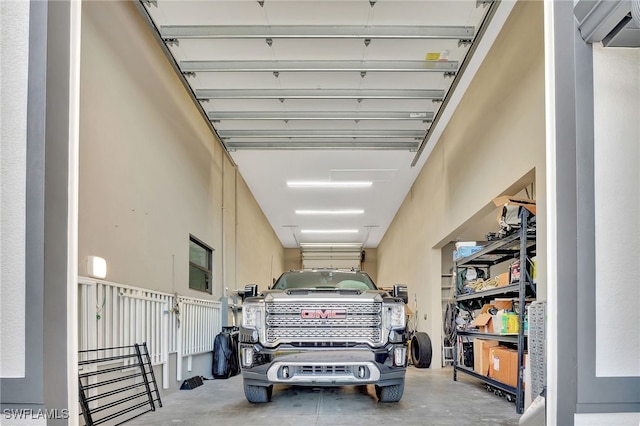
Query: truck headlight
[(251, 316), (395, 316)]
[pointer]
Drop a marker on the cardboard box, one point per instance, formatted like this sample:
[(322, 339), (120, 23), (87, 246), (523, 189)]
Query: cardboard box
[(481, 355), (507, 200), (512, 376), (503, 365), (494, 360), (484, 323), (503, 304), (503, 279), (485, 308)]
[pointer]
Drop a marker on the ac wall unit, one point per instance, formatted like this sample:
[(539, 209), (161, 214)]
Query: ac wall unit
[(614, 23)]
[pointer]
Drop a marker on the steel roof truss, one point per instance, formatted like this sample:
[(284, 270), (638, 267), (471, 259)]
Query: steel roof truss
[(325, 144), (320, 133), (316, 31), (318, 66), (319, 115), (201, 94)]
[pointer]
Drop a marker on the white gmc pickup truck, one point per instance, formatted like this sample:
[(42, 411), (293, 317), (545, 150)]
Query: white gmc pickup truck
[(323, 328)]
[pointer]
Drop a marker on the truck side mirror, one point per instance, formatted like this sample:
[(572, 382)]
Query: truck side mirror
[(250, 290), (401, 292)]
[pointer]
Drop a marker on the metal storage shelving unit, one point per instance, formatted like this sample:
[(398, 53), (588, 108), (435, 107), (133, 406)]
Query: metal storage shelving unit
[(446, 288), (520, 245)]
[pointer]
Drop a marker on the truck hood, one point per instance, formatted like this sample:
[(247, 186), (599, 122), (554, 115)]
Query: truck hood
[(324, 295)]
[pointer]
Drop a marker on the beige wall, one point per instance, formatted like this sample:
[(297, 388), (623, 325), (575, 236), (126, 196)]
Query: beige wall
[(494, 144), (293, 259), (151, 171), (259, 261)]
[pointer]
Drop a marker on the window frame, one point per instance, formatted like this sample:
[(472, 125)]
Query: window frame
[(209, 251)]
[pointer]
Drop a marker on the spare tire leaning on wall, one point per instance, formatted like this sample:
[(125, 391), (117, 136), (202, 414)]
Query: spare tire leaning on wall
[(421, 350)]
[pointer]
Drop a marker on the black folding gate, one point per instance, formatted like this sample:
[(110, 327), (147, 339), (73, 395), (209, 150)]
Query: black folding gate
[(117, 394)]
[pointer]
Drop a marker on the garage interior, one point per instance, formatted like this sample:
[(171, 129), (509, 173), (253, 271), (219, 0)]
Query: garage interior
[(168, 153)]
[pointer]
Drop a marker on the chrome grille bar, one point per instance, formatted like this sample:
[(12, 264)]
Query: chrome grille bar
[(293, 321), (296, 307), (327, 334)]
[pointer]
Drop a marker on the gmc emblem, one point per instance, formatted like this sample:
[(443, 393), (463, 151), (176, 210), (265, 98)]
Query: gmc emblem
[(323, 313)]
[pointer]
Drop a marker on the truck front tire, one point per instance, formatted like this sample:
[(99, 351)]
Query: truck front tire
[(392, 393), (257, 394)]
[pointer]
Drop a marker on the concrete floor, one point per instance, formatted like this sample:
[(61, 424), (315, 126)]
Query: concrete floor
[(431, 397)]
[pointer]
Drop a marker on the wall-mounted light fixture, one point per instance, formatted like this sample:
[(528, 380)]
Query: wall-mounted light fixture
[(96, 267)]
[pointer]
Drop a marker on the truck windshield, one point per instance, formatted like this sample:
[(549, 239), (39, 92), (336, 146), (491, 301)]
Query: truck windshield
[(324, 279)]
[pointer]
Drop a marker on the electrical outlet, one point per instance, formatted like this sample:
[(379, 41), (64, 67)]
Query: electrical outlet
[(425, 316)]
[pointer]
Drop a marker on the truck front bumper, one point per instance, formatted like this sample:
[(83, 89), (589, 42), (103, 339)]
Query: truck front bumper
[(323, 366)]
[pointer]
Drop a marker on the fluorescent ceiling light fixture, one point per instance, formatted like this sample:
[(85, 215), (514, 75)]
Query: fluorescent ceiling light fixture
[(328, 184), (330, 212), (328, 231), (331, 245)]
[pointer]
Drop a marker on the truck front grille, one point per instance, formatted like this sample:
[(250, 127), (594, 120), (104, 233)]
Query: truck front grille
[(323, 322)]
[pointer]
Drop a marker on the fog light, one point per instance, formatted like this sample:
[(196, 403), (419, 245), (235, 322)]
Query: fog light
[(362, 371), (285, 372), (247, 357), (399, 355)]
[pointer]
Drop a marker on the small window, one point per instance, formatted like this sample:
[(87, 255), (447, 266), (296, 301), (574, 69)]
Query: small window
[(200, 265)]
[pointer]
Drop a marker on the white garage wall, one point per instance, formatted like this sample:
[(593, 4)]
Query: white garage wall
[(493, 143), (151, 172), (14, 48), (617, 210)]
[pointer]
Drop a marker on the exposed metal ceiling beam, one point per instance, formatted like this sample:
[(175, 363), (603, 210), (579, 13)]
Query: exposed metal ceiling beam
[(315, 31), (452, 89), (320, 133), (319, 115), (328, 144), (317, 94), (319, 66)]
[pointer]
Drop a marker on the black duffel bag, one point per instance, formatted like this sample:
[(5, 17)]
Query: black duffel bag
[(225, 354)]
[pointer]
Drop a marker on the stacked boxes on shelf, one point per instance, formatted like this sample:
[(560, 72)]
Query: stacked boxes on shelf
[(504, 321), (481, 358)]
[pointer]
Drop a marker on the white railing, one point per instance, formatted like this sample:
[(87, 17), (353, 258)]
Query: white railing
[(111, 315), (198, 323)]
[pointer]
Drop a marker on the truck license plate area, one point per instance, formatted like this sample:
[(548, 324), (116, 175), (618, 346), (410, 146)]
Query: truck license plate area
[(324, 370)]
